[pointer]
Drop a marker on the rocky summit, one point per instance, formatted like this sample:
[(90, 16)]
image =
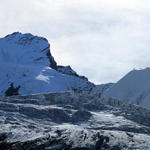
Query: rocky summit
[(27, 67)]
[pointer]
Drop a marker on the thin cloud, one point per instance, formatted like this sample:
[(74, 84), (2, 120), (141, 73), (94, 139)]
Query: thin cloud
[(100, 39)]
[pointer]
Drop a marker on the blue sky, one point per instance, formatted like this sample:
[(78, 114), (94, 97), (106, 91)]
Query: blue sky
[(101, 39)]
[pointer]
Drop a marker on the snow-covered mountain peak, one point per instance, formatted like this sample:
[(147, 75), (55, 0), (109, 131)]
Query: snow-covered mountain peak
[(25, 49), (133, 87), (26, 39), (28, 67)]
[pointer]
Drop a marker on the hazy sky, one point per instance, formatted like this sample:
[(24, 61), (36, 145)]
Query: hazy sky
[(101, 39)]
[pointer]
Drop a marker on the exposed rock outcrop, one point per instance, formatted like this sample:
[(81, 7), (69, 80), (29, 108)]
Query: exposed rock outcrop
[(12, 90), (57, 121)]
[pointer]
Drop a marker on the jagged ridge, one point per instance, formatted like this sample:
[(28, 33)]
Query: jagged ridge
[(27, 63)]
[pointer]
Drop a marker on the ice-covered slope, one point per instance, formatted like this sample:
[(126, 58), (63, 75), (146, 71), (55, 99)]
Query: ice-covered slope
[(134, 88), (25, 49), (72, 121), (27, 67)]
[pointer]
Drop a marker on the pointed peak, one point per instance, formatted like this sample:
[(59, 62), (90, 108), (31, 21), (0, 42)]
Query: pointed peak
[(24, 38)]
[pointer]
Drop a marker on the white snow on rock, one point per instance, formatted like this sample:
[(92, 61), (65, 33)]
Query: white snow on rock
[(24, 49), (66, 120), (77, 120), (26, 61), (133, 88)]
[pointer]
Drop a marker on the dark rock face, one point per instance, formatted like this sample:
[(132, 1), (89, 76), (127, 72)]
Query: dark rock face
[(12, 90), (58, 115), (3, 136), (52, 61), (50, 143), (102, 142), (68, 70), (80, 116)]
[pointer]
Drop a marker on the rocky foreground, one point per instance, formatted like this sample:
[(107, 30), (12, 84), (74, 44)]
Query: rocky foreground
[(72, 121)]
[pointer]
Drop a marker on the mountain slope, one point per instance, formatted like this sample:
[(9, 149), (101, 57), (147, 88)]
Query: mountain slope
[(28, 67), (133, 88), (25, 49), (72, 121), (101, 88)]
